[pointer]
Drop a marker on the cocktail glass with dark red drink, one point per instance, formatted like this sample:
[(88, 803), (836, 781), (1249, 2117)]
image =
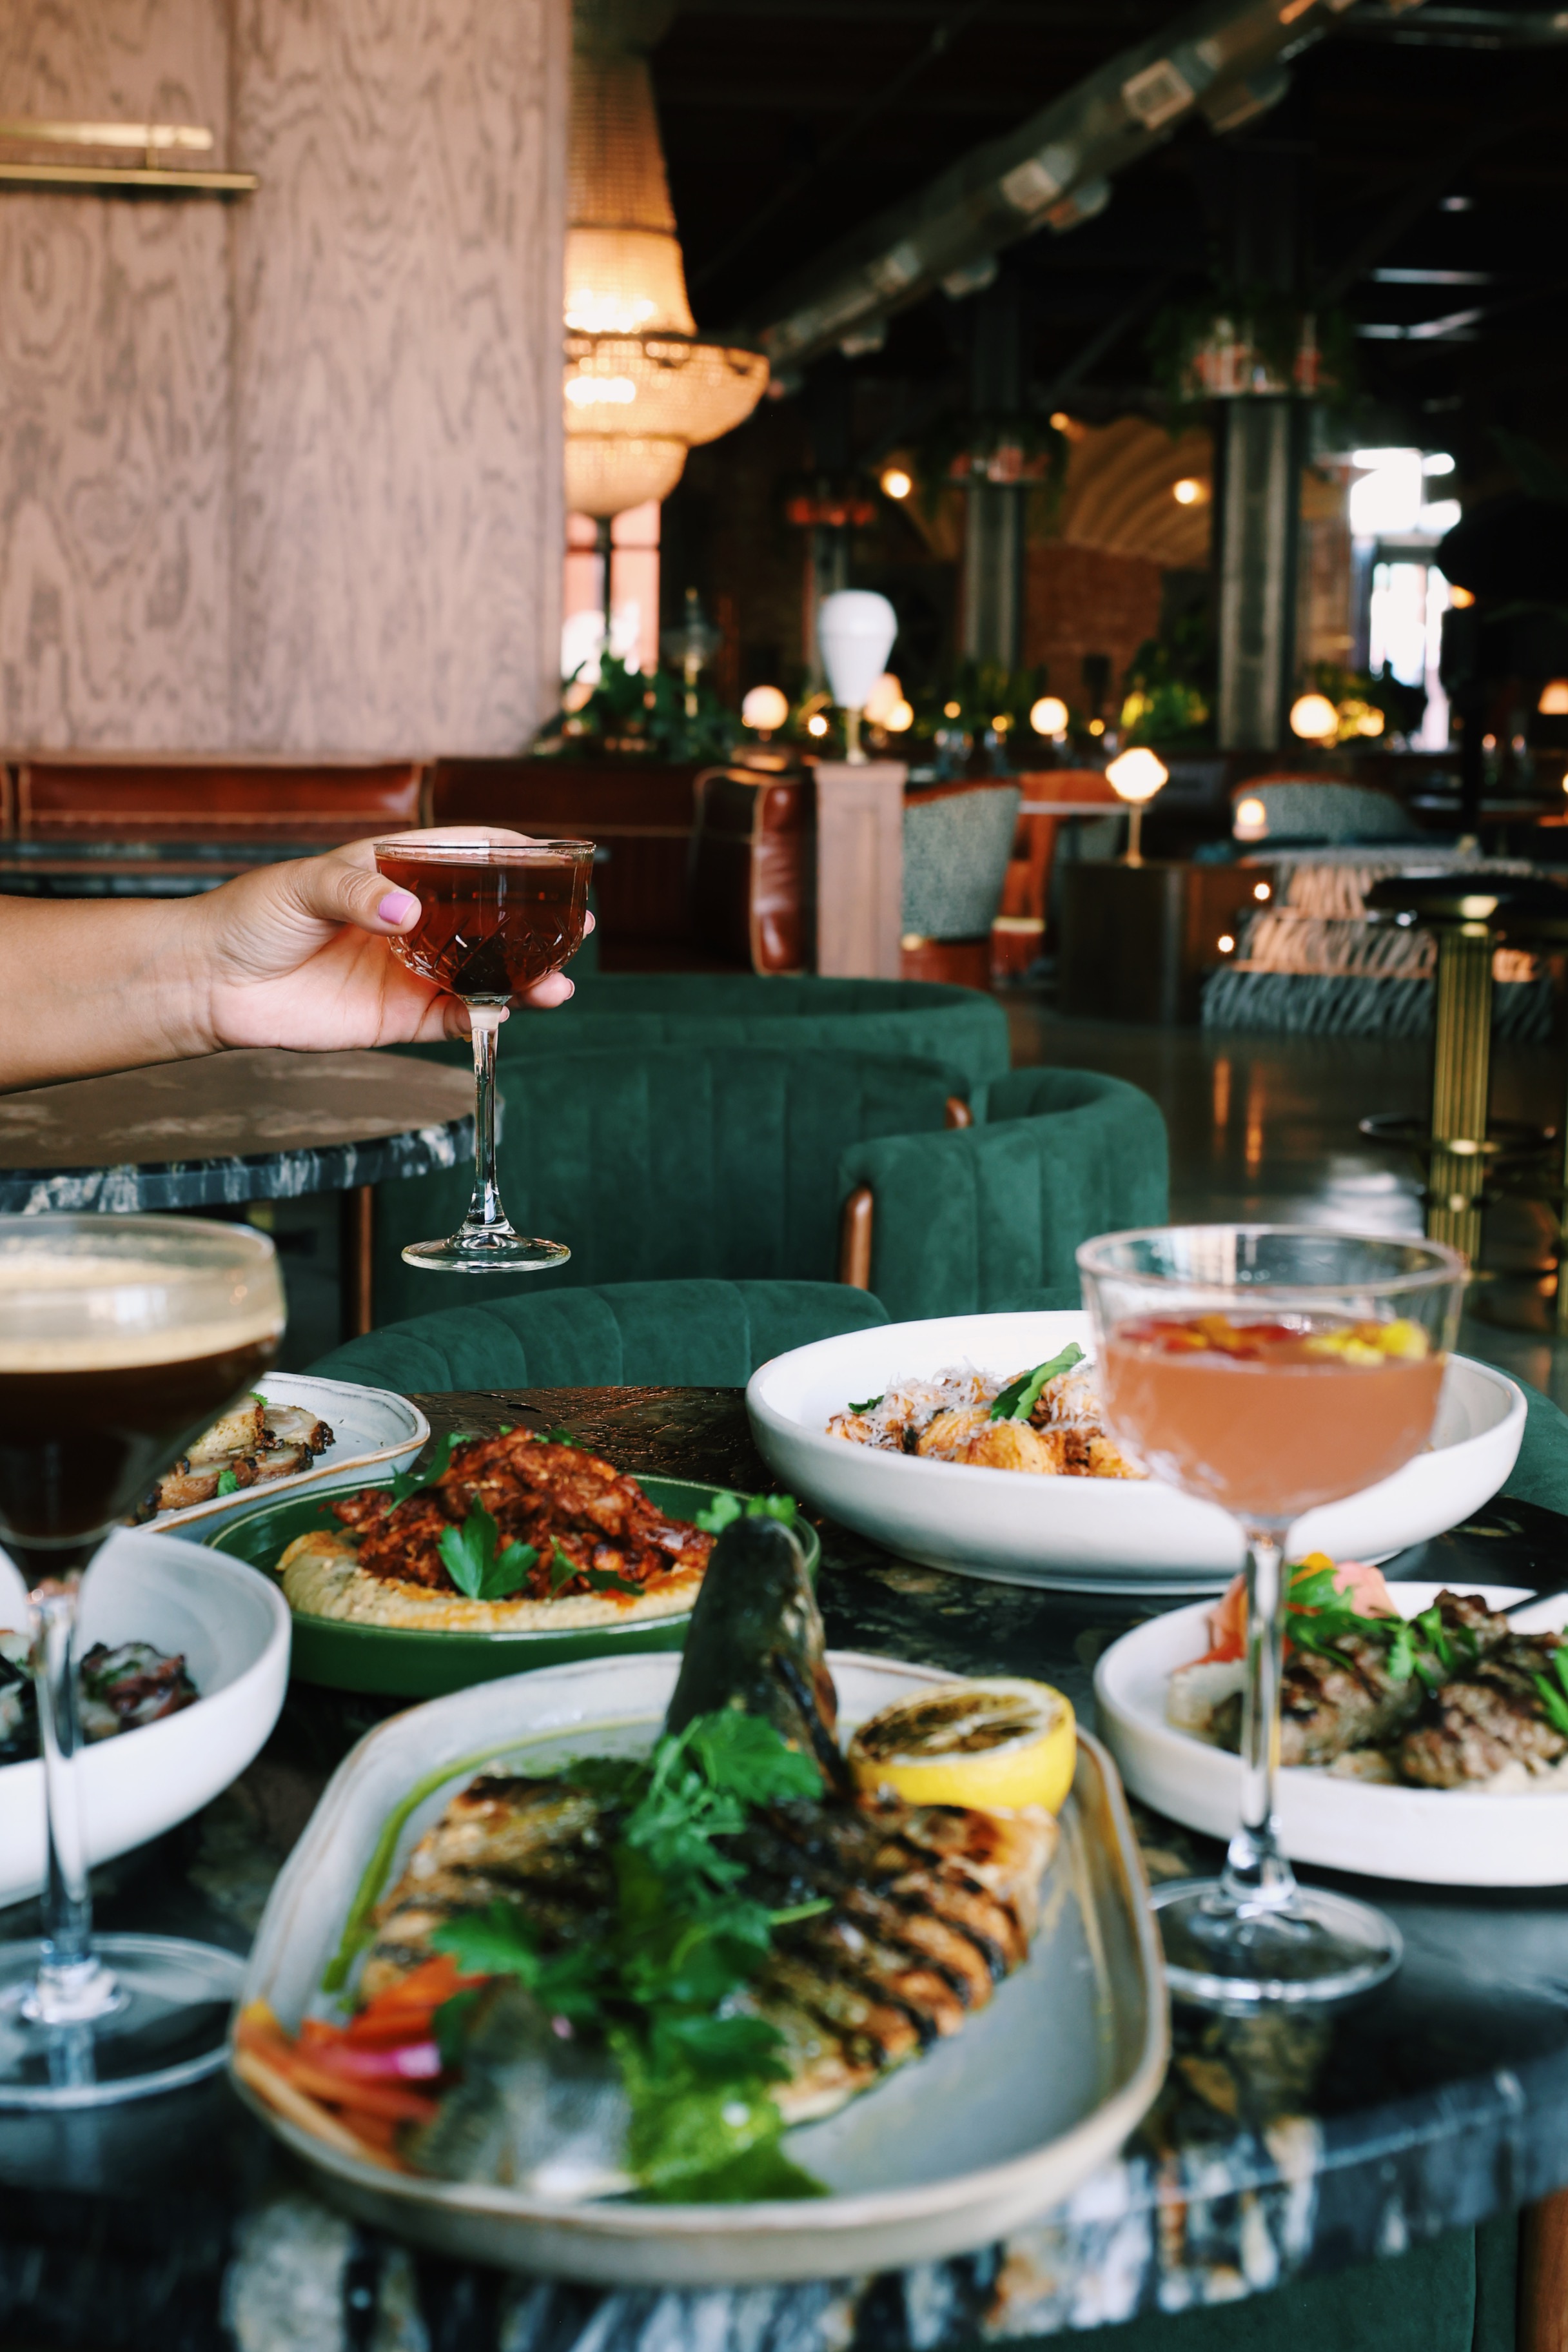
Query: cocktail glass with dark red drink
[(1269, 1369), (121, 1339), (495, 918)]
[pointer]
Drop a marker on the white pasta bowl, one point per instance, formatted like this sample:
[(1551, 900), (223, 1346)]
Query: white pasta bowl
[(232, 1628), (1084, 1534)]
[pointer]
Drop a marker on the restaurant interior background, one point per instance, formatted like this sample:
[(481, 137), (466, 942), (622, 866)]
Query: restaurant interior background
[(1171, 374), (1031, 535)]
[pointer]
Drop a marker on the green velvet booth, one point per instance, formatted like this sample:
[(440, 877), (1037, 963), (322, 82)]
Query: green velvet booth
[(623, 1334), (712, 1161), (642, 1012), (990, 1216)]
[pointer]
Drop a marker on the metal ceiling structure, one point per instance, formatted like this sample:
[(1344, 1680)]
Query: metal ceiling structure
[(1225, 60)]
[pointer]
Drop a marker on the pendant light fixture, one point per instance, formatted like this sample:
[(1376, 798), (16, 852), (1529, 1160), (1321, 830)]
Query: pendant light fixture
[(641, 386)]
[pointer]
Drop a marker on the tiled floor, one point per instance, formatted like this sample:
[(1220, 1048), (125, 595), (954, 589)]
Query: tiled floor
[(1264, 1128)]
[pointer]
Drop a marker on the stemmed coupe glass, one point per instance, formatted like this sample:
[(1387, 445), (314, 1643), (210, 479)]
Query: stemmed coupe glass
[(1269, 1369), (121, 1339), (495, 918)]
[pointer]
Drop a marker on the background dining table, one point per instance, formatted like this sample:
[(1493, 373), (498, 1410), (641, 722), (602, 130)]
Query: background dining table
[(236, 1128), (1276, 2148)]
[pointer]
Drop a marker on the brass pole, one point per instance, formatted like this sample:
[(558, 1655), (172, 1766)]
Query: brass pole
[(1461, 1056)]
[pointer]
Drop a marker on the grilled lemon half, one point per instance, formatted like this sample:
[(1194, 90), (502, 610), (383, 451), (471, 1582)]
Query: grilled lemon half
[(995, 1743)]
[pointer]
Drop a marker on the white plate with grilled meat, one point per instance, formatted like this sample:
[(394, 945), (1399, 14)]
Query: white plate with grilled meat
[(1462, 1836), (984, 2132), (1083, 1534), (334, 1432), (231, 1627)]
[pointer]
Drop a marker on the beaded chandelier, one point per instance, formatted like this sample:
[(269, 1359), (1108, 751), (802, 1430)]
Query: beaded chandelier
[(641, 388)]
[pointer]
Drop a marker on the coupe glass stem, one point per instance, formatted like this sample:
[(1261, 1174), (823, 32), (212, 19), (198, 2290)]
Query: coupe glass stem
[(485, 1211), (71, 1986), (1257, 1876)]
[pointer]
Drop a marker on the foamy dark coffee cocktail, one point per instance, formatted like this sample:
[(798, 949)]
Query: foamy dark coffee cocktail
[(93, 1409), (121, 1339)]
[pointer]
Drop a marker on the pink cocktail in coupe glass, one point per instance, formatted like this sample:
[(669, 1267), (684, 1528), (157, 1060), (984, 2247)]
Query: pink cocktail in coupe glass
[(1269, 1369)]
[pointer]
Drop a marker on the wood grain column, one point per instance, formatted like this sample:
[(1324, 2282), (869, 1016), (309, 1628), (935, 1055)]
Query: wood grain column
[(397, 299), (859, 868)]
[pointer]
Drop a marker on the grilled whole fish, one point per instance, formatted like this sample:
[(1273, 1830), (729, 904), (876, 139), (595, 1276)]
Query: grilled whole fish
[(756, 1643), (928, 1906), (931, 1906)]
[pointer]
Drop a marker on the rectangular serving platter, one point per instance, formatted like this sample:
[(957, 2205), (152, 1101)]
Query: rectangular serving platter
[(989, 2130), (374, 1433)]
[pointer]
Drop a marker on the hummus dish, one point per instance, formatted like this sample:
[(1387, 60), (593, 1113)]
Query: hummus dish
[(525, 1532)]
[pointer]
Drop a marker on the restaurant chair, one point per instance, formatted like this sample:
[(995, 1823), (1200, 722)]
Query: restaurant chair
[(753, 867), (99, 825), (1301, 811), (1018, 934), (645, 1012), (715, 1160), (698, 1334), (990, 1216), (958, 839)]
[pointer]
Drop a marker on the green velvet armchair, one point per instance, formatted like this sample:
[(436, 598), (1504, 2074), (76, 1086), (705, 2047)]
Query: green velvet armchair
[(990, 1216), (711, 1162), (654, 1334)]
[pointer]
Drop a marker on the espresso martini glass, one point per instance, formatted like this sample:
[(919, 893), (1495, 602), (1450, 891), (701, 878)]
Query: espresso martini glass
[(495, 917), (1269, 1369), (122, 1339)]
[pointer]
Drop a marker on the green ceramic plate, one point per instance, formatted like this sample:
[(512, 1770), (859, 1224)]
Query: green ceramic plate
[(398, 1662)]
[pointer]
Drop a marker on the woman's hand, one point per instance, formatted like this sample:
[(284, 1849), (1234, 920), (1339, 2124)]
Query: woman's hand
[(297, 955)]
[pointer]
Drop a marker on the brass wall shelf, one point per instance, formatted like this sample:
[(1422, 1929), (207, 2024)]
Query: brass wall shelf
[(148, 140)]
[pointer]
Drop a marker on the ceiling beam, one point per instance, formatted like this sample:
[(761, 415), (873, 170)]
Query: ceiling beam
[(1224, 59)]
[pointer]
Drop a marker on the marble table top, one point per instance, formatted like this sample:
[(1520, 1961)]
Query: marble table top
[(252, 1126), (1275, 2148)]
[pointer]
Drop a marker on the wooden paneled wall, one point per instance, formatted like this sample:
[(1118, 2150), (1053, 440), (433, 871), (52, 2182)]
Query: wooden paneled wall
[(285, 474)]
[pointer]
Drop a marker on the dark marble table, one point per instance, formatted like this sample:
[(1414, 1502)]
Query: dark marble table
[(1275, 2148), (256, 1126), (262, 1125)]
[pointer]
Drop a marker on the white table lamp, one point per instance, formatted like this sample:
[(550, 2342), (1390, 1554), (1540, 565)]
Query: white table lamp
[(855, 633), (1135, 778)]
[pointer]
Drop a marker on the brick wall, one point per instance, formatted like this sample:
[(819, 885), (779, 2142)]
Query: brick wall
[(1086, 600)]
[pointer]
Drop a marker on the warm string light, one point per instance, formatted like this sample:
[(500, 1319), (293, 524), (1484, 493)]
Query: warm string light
[(765, 709), (896, 483), (1314, 718), (1049, 715)]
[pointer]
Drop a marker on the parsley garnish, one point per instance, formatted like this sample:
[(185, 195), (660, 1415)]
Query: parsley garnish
[(726, 1508), (684, 1941), (1555, 1700), (473, 1560), (227, 1484), (562, 1569), (604, 1580), (563, 1437), (870, 1404), (413, 1482), (1018, 1400)]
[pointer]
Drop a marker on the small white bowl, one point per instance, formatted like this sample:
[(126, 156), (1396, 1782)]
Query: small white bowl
[(232, 1628), (1432, 1837), (1132, 1535)]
